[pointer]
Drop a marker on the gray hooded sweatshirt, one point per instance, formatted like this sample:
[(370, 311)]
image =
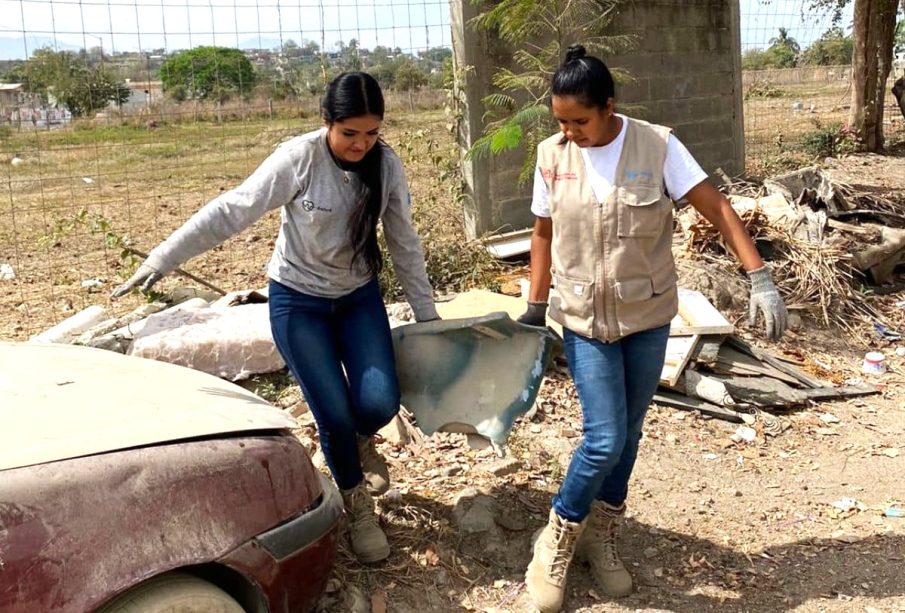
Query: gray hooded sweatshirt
[(313, 251)]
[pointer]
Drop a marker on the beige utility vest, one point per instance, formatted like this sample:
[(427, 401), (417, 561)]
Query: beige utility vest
[(613, 269)]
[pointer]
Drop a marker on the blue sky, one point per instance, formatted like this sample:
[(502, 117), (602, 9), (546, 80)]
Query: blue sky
[(412, 25)]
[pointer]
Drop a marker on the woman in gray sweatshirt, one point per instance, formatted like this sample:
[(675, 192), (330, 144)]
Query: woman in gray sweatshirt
[(327, 314)]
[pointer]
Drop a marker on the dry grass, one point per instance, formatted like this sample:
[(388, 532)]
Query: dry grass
[(814, 278)]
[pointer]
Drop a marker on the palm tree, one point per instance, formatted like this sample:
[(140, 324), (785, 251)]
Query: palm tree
[(784, 40)]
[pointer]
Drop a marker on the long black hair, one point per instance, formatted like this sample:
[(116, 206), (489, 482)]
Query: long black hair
[(354, 94), (585, 77)]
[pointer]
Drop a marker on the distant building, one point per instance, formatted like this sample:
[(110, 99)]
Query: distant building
[(11, 95), (142, 94), (19, 107)]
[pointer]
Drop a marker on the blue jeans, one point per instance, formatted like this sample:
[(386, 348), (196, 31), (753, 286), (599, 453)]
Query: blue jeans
[(341, 353), (616, 383)]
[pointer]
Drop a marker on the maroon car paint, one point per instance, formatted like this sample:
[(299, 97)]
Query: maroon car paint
[(296, 582), (74, 533)]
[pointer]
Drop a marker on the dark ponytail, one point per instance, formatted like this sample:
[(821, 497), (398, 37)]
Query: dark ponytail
[(584, 77), (354, 94)]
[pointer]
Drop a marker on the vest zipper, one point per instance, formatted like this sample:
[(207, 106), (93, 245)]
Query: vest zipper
[(600, 273)]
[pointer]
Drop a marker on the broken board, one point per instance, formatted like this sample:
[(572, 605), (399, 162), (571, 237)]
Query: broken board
[(679, 350), (697, 316)]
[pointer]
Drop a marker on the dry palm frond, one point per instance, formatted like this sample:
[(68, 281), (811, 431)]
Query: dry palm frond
[(817, 278)]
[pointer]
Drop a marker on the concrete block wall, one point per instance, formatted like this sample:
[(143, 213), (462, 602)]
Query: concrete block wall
[(686, 68)]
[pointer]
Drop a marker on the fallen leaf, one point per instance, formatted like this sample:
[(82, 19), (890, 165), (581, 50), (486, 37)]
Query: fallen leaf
[(431, 556)]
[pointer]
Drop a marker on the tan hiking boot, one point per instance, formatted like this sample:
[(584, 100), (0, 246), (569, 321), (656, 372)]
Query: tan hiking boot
[(553, 549), (374, 467), (597, 546), (369, 543)]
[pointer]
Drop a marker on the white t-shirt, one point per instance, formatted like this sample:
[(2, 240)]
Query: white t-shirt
[(681, 171)]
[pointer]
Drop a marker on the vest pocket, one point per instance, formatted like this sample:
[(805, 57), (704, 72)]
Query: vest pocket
[(573, 301), (634, 290), (640, 211)]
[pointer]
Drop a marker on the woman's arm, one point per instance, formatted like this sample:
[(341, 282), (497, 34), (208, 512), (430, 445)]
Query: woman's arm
[(274, 184), (541, 239), (715, 207), (404, 246)]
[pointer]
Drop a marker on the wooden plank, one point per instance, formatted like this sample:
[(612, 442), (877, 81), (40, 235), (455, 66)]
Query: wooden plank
[(762, 391), (831, 393), (776, 363), (678, 401), (679, 327), (678, 352), (736, 362), (708, 349), (697, 316)]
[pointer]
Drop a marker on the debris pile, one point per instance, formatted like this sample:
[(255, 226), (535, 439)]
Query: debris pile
[(711, 370), (822, 239)]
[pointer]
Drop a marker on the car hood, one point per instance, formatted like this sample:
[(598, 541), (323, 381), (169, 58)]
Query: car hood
[(64, 401)]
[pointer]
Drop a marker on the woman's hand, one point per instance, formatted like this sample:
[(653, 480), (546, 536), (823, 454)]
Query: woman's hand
[(535, 315), (144, 277), (766, 299)]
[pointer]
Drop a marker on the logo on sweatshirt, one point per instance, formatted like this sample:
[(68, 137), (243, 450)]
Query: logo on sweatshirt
[(307, 205)]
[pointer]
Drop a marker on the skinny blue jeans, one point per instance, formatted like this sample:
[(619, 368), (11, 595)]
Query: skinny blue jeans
[(616, 383), (341, 353)]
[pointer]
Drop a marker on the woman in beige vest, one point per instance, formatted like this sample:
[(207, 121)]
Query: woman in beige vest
[(603, 201)]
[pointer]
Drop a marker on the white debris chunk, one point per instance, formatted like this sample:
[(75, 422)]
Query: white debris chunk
[(67, 330), (232, 343), (6, 272)]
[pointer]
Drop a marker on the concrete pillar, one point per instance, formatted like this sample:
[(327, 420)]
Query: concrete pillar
[(493, 200), (686, 68)]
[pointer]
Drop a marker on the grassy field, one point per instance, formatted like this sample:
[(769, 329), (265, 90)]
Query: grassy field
[(82, 192)]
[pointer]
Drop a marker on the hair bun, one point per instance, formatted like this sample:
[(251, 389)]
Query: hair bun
[(575, 52)]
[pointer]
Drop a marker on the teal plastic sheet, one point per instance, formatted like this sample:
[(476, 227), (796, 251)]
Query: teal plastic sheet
[(473, 375)]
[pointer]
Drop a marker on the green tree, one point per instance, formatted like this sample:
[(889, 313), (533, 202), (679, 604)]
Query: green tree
[(518, 115), (208, 73), (833, 48), (756, 59), (408, 76), (783, 50), (68, 79), (350, 59), (784, 40)]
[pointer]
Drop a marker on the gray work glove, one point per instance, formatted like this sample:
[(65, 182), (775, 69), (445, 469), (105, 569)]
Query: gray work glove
[(144, 277), (766, 299), (535, 315)]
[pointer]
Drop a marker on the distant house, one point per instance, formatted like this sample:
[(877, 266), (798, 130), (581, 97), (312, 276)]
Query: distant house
[(11, 95), (142, 94)]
